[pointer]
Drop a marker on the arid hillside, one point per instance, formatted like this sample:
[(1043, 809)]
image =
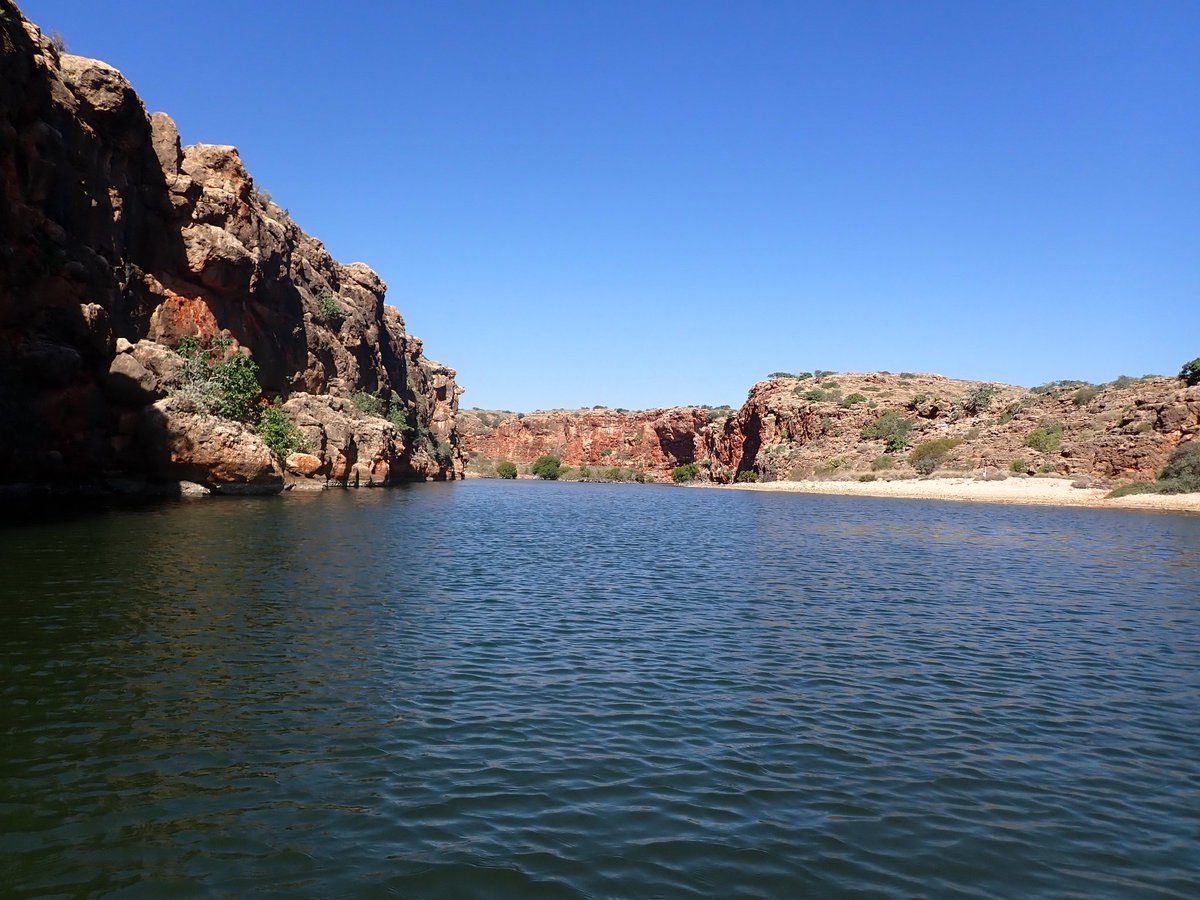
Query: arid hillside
[(848, 425)]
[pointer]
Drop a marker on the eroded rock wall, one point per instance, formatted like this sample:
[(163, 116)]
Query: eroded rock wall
[(791, 428), (110, 229)]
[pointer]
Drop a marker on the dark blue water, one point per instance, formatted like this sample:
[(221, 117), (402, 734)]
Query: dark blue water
[(497, 689)]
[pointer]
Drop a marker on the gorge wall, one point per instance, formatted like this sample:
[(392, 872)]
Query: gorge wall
[(116, 242), (806, 426)]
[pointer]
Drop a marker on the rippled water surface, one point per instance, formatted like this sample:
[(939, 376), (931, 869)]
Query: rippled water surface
[(500, 689)]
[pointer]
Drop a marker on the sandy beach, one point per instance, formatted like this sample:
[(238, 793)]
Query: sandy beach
[(1044, 491)]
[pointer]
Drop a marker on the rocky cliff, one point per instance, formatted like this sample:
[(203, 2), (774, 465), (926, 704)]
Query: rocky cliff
[(849, 425), (116, 242), (650, 441)]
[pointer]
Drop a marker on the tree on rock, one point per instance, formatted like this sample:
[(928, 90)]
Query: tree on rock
[(1190, 373), (547, 467), (506, 469)]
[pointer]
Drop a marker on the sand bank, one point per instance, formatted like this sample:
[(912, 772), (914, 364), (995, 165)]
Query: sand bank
[(1047, 491)]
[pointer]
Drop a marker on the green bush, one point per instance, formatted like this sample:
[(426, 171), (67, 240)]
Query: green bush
[(328, 306), (1017, 465), (398, 416), (925, 457), (547, 467), (879, 463), (1045, 438), (506, 469), (838, 462), (1183, 464), (867, 477), (891, 428), (1085, 395), (616, 473), (747, 476), (803, 376), (279, 432), (812, 396), (1190, 373), (781, 375), (686, 472), (371, 404), (209, 385), (852, 399), (979, 399)]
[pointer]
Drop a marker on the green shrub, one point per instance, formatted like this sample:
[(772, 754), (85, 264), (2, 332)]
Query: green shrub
[(838, 462), (1183, 464), (371, 404), (879, 463), (686, 472), (398, 416), (1085, 395), (1137, 487), (813, 396), (747, 476), (1123, 381), (1190, 373), (781, 375), (616, 473), (852, 399), (829, 385), (1046, 468), (925, 457), (803, 376), (547, 467), (1017, 465), (328, 306), (506, 469), (279, 432), (1045, 438), (979, 399), (607, 451), (891, 428), (867, 477), (225, 387)]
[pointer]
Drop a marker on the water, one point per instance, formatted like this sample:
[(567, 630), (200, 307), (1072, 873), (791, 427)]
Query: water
[(497, 689)]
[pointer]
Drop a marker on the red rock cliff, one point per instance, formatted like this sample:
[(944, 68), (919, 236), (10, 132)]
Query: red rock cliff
[(113, 237)]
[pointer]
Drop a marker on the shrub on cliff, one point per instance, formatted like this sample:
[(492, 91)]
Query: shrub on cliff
[(979, 399), (279, 432), (1190, 373), (506, 469), (747, 476), (208, 384), (925, 457), (847, 402), (1045, 438), (547, 467), (891, 428), (686, 472)]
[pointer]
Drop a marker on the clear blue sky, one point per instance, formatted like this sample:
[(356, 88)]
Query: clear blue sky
[(651, 203)]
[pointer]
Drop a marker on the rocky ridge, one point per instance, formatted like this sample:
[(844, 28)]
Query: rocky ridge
[(796, 428), (116, 242)]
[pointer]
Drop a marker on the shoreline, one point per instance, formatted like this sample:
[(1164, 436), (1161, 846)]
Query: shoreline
[(1034, 491)]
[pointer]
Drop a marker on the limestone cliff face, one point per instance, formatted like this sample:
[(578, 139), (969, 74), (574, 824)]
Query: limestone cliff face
[(792, 428), (651, 441), (111, 231), (1110, 432)]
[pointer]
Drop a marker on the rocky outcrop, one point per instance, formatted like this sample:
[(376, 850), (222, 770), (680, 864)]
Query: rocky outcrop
[(116, 241), (793, 428), (651, 441)]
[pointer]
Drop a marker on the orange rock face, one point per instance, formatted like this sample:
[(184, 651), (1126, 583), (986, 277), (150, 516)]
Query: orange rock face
[(792, 429), (652, 441)]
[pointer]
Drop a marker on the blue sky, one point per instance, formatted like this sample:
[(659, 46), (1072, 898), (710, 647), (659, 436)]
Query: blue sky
[(650, 203)]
